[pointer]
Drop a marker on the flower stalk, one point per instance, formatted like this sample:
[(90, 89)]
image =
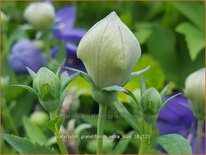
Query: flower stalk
[(199, 135), (100, 127)]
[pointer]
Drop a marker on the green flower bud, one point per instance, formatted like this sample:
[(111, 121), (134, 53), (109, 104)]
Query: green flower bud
[(39, 117), (151, 102), (195, 91), (40, 14), (47, 85), (109, 52)]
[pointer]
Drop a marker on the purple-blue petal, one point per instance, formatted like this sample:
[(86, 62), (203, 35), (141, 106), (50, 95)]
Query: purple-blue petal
[(25, 54), (65, 20), (74, 35)]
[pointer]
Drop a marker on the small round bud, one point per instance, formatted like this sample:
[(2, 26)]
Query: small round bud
[(47, 85), (151, 101), (109, 51), (39, 117), (40, 14), (195, 91)]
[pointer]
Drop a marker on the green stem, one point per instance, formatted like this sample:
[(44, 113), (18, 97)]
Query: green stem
[(199, 135), (60, 141), (142, 147), (100, 127)]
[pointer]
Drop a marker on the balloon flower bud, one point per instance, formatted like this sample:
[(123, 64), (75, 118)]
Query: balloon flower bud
[(48, 87), (195, 91), (40, 14), (109, 52), (151, 103)]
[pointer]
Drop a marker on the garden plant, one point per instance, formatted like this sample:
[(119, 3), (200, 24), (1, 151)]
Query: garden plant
[(134, 82)]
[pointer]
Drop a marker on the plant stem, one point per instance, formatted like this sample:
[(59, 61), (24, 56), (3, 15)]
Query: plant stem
[(199, 135), (60, 141), (100, 127), (142, 147)]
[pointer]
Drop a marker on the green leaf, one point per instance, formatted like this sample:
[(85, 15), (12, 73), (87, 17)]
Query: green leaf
[(193, 11), (144, 31), (126, 115), (167, 101), (174, 144), (194, 38), (34, 132), (55, 124), (31, 72), (164, 91), (25, 87), (137, 73), (24, 146), (122, 145), (66, 79)]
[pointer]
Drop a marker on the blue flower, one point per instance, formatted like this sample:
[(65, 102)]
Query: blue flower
[(64, 25), (176, 117), (64, 31), (25, 54)]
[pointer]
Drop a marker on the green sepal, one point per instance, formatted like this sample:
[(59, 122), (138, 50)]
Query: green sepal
[(66, 79), (25, 87), (137, 73), (115, 88), (31, 72), (143, 87), (167, 101), (55, 123), (164, 91), (82, 74)]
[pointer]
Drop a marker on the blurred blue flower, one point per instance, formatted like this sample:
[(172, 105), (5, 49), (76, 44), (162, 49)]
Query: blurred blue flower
[(64, 31), (64, 25), (176, 117), (25, 54)]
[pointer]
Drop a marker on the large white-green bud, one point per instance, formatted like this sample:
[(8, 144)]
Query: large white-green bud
[(40, 14), (109, 51), (48, 87), (195, 91)]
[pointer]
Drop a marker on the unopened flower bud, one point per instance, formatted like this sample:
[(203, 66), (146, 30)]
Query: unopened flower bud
[(109, 51), (195, 91), (151, 101), (39, 117), (40, 14), (47, 85)]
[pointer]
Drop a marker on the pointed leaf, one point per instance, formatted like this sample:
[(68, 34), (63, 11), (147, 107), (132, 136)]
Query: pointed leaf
[(167, 101), (82, 127), (25, 87), (137, 73), (143, 85), (82, 74), (24, 146), (174, 144), (55, 123), (66, 79), (115, 88), (31, 72), (122, 144), (126, 115), (164, 91), (34, 132)]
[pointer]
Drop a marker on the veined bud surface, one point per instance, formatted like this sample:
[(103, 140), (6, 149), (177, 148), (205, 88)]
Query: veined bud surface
[(195, 91), (109, 51), (151, 101), (40, 14), (47, 85)]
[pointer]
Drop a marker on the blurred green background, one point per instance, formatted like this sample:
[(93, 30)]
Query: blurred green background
[(172, 39)]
